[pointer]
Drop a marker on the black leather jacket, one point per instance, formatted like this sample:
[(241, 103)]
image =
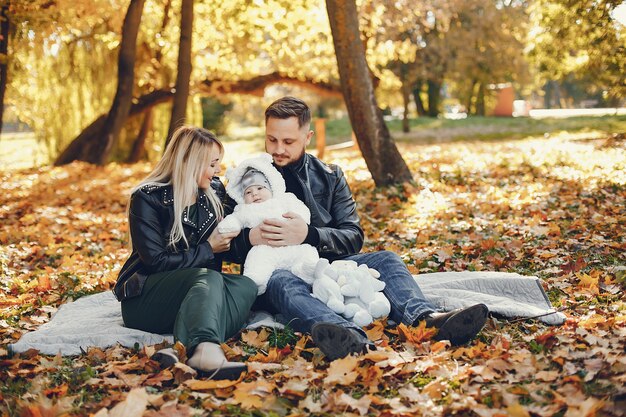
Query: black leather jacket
[(333, 210), (151, 217)]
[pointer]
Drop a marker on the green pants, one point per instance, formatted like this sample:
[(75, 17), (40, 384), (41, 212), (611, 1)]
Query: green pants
[(196, 305)]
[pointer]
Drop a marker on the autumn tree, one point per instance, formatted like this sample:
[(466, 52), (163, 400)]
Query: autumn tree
[(580, 39), (379, 151), (138, 150), (237, 51), (96, 148), (179, 106), (494, 37), (4, 47)]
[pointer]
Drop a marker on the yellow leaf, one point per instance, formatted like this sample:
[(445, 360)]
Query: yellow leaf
[(252, 338), (588, 281), (300, 345), (251, 394), (547, 375), (231, 354), (209, 384), (134, 405), (517, 410), (342, 371)]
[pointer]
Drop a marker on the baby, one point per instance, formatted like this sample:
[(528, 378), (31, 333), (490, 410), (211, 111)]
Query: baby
[(260, 193)]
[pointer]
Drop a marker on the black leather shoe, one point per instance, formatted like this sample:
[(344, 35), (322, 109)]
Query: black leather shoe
[(459, 326), (336, 341)]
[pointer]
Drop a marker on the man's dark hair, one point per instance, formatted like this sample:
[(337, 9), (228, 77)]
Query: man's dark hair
[(287, 107)]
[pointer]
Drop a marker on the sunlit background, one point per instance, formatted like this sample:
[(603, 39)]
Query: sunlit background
[(451, 59)]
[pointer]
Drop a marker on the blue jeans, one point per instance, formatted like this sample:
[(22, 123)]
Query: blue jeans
[(291, 298)]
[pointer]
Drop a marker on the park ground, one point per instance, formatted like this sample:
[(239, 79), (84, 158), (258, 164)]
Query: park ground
[(545, 198)]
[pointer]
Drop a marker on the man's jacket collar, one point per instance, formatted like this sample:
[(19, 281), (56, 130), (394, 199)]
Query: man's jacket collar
[(295, 167)]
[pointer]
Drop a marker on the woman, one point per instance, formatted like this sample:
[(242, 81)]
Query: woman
[(171, 283)]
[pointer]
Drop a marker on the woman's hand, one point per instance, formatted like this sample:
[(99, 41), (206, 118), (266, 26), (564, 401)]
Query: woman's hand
[(220, 242)]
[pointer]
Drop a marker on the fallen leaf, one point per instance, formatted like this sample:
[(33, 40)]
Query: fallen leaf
[(252, 338), (517, 410), (342, 371), (416, 335), (135, 404), (251, 395)]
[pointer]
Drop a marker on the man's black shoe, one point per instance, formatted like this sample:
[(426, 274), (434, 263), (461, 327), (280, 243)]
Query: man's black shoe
[(459, 326), (336, 341)]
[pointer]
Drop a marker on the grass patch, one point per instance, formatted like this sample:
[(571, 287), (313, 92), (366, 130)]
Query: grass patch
[(280, 338), (22, 150), (427, 129)]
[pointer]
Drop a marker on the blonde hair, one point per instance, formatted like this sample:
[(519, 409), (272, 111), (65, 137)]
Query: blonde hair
[(184, 160)]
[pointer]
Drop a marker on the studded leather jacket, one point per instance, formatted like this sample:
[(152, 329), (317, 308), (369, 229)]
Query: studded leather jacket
[(333, 211), (151, 217)]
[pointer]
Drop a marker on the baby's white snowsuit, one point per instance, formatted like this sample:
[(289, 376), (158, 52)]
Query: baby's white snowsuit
[(263, 260)]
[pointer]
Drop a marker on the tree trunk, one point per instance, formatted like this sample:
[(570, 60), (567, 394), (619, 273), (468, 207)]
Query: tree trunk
[(480, 100), (557, 95), (4, 57), (138, 152), (183, 75), (417, 91), (406, 98), (547, 98), (434, 97), (470, 96), (379, 151), (96, 148), (166, 18)]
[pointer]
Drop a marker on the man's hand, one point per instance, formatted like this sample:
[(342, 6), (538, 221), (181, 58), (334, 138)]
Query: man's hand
[(290, 230)]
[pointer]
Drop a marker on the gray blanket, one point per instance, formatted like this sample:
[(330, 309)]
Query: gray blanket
[(96, 320)]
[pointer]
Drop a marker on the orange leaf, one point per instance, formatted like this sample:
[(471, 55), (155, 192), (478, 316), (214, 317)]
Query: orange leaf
[(43, 283), (548, 339), (488, 244), (58, 391), (375, 331), (416, 335), (274, 355)]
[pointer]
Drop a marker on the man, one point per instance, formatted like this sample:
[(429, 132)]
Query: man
[(336, 232)]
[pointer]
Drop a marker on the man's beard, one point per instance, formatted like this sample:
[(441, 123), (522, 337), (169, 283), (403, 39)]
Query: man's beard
[(296, 160)]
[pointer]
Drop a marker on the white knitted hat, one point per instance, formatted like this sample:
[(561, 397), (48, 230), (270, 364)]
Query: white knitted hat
[(261, 163)]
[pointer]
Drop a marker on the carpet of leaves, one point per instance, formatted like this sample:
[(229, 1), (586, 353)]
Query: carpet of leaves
[(549, 207)]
